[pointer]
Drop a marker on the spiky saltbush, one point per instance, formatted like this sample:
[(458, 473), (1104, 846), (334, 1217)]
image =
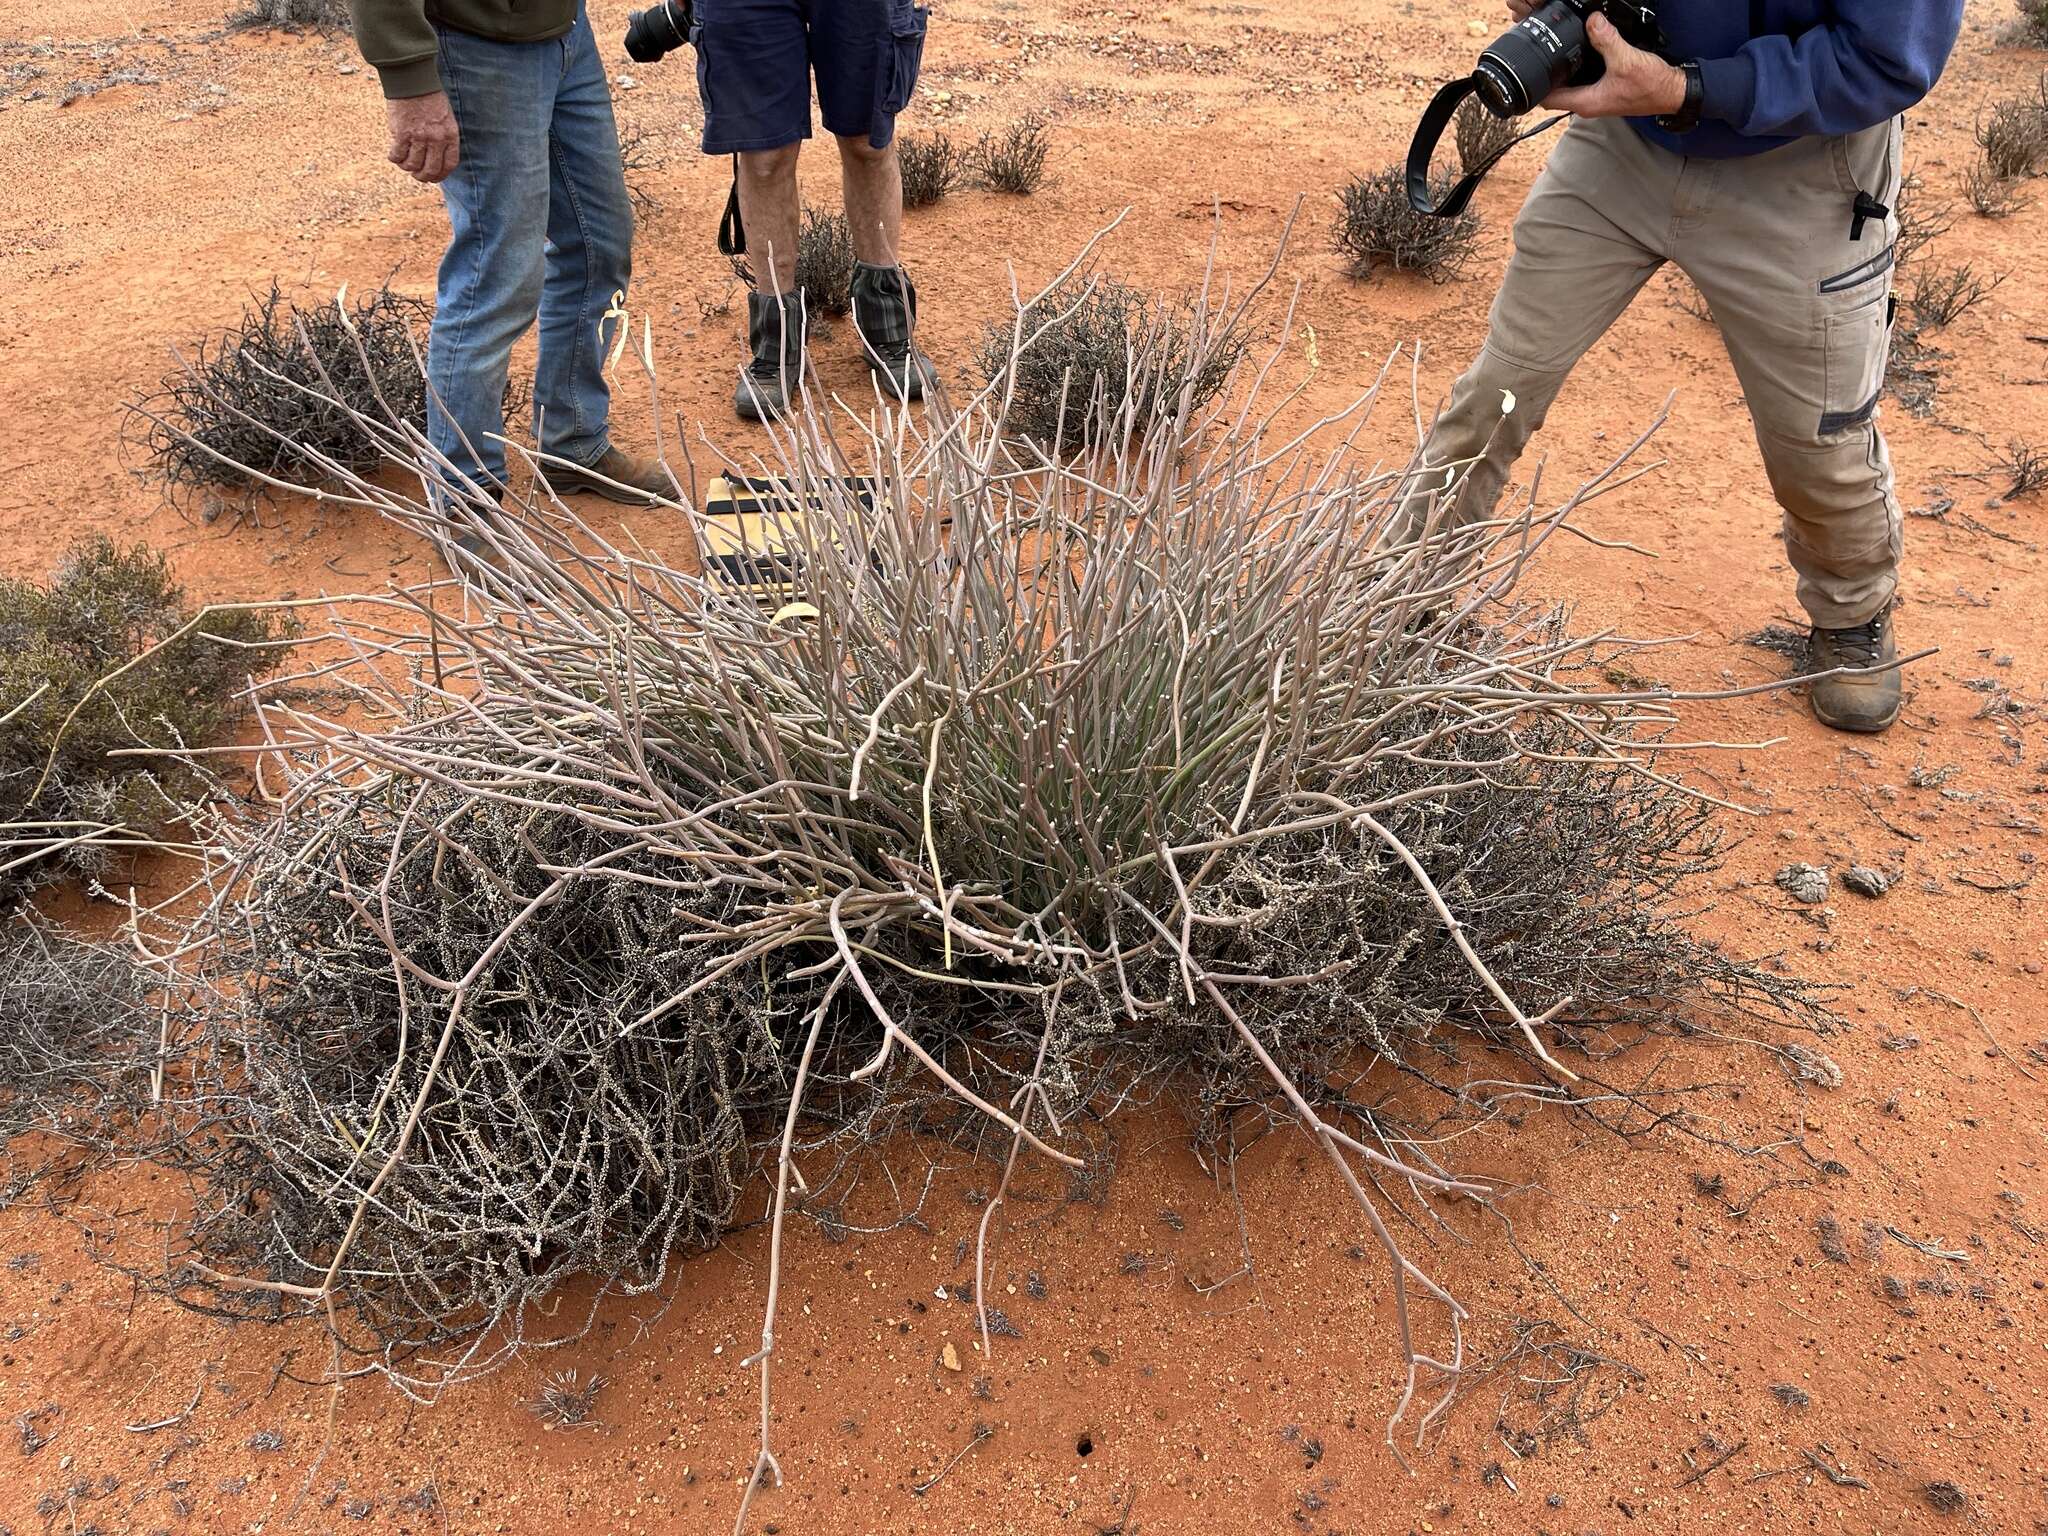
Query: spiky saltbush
[(289, 393), (1103, 360), (824, 263), (1205, 768), (1480, 135), (933, 166), (323, 14), (1377, 229), (74, 1060), (1013, 160), (67, 705)]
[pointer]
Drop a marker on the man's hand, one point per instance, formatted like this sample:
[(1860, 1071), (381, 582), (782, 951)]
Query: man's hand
[(425, 143), (1637, 84)]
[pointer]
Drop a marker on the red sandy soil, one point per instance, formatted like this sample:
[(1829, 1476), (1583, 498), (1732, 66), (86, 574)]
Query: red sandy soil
[(142, 214)]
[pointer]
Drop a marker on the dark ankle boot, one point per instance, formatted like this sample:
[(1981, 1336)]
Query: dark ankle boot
[(1861, 700), (774, 374), (885, 315)]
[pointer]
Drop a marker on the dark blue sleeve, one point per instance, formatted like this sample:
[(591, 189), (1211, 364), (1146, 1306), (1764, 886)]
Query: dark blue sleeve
[(1871, 62)]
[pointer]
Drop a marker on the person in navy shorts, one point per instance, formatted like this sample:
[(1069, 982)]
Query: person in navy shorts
[(755, 63)]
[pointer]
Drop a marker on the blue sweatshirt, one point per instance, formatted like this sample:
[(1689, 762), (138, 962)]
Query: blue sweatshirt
[(1777, 70)]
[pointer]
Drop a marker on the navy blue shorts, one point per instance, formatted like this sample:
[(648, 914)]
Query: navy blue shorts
[(755, 60)]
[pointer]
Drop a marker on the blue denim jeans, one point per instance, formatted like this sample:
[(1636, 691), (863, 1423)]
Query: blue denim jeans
[(542, 225)]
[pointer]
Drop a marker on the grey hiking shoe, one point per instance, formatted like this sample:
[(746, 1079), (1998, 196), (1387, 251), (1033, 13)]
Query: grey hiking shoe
[(617, 476), (885, 315), (1867, 702), (774, 373)]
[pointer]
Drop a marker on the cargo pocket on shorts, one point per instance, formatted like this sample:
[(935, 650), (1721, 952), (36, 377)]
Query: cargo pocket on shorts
[(1858, 347), (901, 56)]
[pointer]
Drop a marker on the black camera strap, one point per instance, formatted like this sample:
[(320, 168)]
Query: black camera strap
[(1430, 132), (732, 232)]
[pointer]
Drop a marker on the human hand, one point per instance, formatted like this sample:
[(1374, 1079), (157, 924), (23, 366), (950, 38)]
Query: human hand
[(425, 143), (1520, 9), (1637, 84)]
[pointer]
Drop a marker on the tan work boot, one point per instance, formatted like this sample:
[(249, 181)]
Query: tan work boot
[(617, 476), (1866, 701)]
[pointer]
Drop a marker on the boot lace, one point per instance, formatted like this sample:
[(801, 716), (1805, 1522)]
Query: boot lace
[(1860, 645)]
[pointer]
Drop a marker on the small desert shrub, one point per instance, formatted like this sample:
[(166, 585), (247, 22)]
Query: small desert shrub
[(2025, 468), (641, 153), (1013, 160), (824, 263), (291, 13), (1480, 135), (1376, 227), (933, 165), (72, 1057), (1920, 219), (1944, 295), (1166, 775), (286, 393), (2031, 29), (1101, 358), (105, 607), (1992, 195), (2015, 137)]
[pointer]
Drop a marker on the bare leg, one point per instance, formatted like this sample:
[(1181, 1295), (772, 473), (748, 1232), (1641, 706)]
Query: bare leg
[(873, 184), (770, 206)]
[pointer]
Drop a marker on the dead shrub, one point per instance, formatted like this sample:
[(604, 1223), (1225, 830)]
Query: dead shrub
[(1013, 160), (933, 167), (67, 806), (1377, 228)]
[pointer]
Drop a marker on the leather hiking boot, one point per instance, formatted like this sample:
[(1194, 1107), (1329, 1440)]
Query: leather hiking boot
[(885, 315), (1865, 702), (774, 374), (616, 476)]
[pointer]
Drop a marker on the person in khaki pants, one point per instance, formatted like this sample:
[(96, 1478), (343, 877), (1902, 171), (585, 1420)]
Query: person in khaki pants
[(1766, 167)]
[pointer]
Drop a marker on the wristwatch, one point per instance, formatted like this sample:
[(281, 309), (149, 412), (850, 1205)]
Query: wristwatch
[(1687, 117)]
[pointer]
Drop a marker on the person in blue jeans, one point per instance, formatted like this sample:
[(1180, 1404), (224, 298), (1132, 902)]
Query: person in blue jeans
[(755, 62), (504, 104)]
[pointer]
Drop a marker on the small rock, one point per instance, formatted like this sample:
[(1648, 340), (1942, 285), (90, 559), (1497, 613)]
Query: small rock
[(346, 69), (1805, 883), (949, 1357), (1865, 881)]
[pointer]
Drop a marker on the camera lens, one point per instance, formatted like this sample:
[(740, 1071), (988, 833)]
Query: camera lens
[(1531, 59), (651, 34)]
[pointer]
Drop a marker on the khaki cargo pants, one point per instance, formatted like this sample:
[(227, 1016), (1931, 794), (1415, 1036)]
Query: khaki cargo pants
[(1804, 310)]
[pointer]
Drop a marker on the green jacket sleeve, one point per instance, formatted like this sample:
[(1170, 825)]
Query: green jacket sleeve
[(396, 38)]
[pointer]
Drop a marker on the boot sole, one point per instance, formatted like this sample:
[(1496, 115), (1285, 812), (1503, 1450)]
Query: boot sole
[(621, 494), (1861, 725)]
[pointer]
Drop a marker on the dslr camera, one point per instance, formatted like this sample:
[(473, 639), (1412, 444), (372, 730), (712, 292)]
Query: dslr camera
[(1548, 50), (653, 34)]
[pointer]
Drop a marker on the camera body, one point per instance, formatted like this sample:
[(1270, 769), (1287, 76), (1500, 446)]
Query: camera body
[(653, 34), (1548, 50)]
